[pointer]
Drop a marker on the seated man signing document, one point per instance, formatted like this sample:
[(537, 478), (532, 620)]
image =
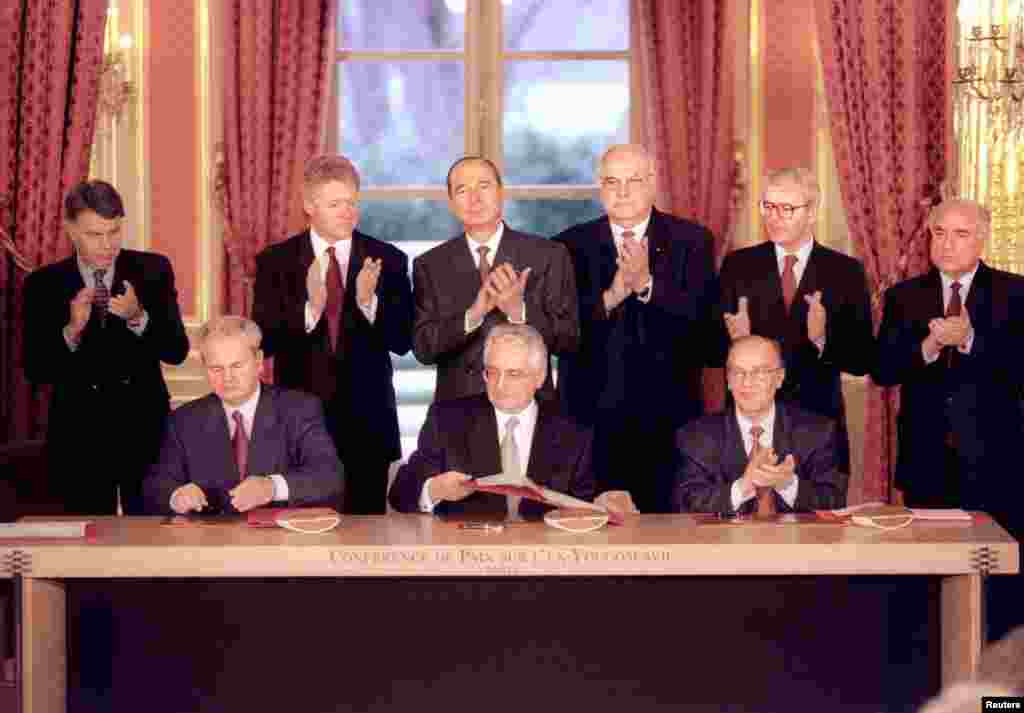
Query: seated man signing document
[(505, 431), (759, 456), (247, 444)]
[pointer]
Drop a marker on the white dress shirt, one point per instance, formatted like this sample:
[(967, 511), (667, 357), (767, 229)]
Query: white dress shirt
[(524, 442), (248, 411), (639, 233), (342, 253), (788, 492), (947, 294)]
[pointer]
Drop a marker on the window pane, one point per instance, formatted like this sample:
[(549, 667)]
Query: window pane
[(401, 122), (400, 25), (415, 225), (541, 25), (560, 116), (549, 217)]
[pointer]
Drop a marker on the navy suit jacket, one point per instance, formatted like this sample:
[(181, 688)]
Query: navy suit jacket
[(356, 380), (111, 370), (978, 398), (645, 359), (712, 456), (462, 435), (288, 438), (812, 380), (446, 282)]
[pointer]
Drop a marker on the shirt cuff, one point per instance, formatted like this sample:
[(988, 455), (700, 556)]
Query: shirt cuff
[(736, 495), (929, 359), (311, 322), (138, 326), (519, 321), (280, 487), (965, 348), (470, 326), (819, 344), (426, 504), (72, 343), (370, 312), (644, 295), (789, 492)]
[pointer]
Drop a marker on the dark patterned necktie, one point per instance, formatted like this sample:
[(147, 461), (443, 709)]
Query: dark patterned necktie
[(335, 297), (240, 445), (953, 309), (101, 297), (485, 265), (789, 280), (765, 496)]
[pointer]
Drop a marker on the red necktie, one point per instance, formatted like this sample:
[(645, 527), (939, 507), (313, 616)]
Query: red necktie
[(485, 266), (240, 444), (789, 280), (335, 298), (765, 496), (953, 309)]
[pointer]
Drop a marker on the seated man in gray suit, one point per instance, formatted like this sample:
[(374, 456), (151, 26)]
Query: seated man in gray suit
[(247, 444), (507, 430), (759, 456)]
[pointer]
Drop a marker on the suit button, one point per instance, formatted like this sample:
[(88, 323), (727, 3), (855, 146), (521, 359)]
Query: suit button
[(949, 400)]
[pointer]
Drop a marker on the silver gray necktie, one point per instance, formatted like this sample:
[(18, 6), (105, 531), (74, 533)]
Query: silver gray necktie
[(510, 465)]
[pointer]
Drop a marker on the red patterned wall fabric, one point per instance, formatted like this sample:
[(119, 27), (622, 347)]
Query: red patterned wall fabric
[(279, 55), (888, 94), (51, 57)]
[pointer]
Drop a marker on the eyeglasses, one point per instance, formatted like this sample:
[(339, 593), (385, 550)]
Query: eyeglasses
[(614, 185), (759, 375), (496, 375), (783, 210)]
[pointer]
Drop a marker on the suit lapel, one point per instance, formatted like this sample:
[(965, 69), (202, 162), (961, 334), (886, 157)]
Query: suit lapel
[(482, 440), (735, 455), (508, 250), (261, 440), (980, 299), (222, 467), (782, 432), (543, 447), (934, 305), (767, 307), (607, 255), (467, 276)]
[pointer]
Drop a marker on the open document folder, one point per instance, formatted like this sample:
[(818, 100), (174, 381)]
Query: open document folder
[(502, 484)]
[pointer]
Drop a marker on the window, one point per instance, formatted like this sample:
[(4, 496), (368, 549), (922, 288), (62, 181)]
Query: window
[(541, 87)]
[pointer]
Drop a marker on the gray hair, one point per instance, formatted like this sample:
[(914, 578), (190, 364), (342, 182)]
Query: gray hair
[(523, 334), (984, 215), (227, 326), (801, 176), (637, 149)]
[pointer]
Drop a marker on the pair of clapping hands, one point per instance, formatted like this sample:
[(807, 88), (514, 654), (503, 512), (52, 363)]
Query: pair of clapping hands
[(366, 285), (633, 272), (125, 305), (765, 470), (738, 322), (503, 289), (253, 492)]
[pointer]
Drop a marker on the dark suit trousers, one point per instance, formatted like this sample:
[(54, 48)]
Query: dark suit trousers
[(366, 469)]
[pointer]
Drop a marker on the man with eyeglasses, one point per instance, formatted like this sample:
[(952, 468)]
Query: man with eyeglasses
[(507, 430), (953, 339), (646, 284), (488, 275), (813, 300), (97, 325), (761, 456)]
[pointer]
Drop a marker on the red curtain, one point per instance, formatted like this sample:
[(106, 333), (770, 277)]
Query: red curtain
[(685, 56), (888, 94), (51, 58), (279, 55)]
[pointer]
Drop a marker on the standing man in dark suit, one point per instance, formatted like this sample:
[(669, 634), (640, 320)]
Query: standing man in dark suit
[(97, 325), (646, 283), (333, 304), (489, 275), (247, 444), (811, 299), (953, 338), (760, 456), (507, 430)]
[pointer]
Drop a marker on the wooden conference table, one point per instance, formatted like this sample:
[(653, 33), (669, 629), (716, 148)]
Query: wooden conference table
[(414, 549)]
